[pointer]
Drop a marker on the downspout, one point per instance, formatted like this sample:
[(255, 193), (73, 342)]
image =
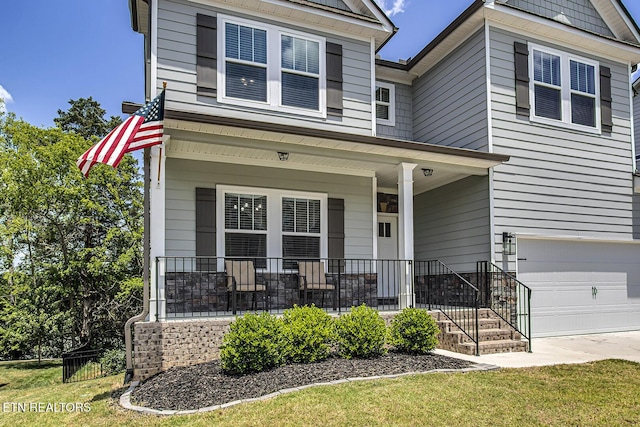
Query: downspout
[(145, 273)]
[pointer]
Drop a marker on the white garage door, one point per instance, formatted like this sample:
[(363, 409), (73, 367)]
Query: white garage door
[(581, 287)]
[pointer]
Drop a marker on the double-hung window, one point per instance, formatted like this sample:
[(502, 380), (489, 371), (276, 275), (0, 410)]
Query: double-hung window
[(301, 219), (564, 89), (260, 223), (264, 66), (245, 225), (385, 104)]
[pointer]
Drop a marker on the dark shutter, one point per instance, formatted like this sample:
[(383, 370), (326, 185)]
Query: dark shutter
[(334, 80), (206, 62), (206, 227), (522, 78), (605, 99), (336, 234)]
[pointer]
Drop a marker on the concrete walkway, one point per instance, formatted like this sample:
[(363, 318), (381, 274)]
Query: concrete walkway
[(569, 349)]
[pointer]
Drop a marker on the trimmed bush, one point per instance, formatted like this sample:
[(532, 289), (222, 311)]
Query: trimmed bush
[(308, 333), (360, 333), (254, 343), (113, 362), (414, 331)]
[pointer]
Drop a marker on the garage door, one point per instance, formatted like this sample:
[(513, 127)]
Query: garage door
[(581, 287)]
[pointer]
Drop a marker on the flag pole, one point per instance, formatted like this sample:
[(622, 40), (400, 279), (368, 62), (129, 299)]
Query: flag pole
[(164, 87)]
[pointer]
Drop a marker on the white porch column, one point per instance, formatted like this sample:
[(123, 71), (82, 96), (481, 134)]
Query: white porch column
[(405, 231), (157, 232)]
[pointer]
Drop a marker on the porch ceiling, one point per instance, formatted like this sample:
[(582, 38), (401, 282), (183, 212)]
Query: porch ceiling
[(249, 152)]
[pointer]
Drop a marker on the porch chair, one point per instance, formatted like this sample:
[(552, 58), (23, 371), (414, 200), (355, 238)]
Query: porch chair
[(312, 278), (241, 277)]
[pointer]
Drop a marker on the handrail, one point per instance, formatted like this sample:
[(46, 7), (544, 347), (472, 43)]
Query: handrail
[(506, 296), (450, 293)]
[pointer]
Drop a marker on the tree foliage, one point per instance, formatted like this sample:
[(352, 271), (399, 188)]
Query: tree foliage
[(70, 247), (86, 118)]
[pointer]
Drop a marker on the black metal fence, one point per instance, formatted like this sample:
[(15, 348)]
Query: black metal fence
[(438, 287), (506, 296), (81, 366), (216, 286)]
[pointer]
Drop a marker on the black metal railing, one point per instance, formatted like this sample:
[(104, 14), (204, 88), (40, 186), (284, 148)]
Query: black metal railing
[(438, 287), (508, 297), (81, 365), (217, 286)]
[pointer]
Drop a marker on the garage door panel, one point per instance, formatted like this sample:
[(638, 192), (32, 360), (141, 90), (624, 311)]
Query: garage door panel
[(563, 276)]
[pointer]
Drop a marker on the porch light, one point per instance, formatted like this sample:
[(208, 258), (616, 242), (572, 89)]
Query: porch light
[(508, 243), (427, 171), (283, 156)]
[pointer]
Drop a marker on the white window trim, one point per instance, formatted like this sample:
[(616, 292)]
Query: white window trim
[(391, 121), (274, 217), (565, 83), (273, 66)]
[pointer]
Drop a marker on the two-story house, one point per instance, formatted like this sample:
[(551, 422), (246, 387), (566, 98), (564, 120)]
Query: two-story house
[(347, 179)]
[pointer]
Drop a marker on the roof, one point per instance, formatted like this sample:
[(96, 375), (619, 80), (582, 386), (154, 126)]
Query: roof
[(130, 108)]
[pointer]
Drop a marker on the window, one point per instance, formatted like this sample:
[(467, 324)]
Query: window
[(271, 223), (264, 65), (385, 104), (245, 225), (300, 227), (564, 89)]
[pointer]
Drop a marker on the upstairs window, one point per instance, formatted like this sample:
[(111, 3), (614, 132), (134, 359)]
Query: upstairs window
[(246, 62), (264, 65), (564, 89), (385, 104)]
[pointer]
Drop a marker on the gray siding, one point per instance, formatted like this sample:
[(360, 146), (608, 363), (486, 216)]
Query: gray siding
[(404, 125), (338, 4), (559, 182), (183, 176), (636, 124), (636, 216), (452, 223), (177, 66), (579, 13), (450, 101)]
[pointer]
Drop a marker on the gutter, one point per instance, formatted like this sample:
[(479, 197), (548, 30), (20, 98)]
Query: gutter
[(130, 108)]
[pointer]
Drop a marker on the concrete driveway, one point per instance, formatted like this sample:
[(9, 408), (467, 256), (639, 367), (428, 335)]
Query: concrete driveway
[(568, 349)]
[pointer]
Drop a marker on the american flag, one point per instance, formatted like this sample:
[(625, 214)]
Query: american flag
[(143, 129)]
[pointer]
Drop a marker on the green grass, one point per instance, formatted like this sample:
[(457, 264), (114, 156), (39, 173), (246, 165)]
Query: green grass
[(605, 393)]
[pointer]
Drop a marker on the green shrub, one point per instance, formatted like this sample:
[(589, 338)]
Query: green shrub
[(254, 343), (308, 333), (414, 331), (113, 362), (360, 333)]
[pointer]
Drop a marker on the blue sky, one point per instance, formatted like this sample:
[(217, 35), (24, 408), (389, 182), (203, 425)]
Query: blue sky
[(68, 49)]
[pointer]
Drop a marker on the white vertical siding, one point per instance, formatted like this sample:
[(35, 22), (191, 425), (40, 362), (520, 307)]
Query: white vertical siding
[(177, 66), (559, 182), (183, 176)]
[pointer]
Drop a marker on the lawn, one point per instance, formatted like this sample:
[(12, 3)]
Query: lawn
[(605, 393)]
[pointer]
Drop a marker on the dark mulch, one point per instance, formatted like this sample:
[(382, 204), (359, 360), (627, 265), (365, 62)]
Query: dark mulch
[(205, 385)]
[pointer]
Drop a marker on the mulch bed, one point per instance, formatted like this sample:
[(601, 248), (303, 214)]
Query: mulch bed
[(204, 385)]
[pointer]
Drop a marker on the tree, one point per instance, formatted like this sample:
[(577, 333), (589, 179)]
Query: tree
[(71, 257), (86, 118)]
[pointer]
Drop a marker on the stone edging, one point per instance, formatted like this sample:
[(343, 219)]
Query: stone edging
[(125, 399)]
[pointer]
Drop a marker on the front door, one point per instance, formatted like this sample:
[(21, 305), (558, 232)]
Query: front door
[(388, 267)]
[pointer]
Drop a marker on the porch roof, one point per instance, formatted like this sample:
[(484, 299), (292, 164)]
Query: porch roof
[(317, 149)]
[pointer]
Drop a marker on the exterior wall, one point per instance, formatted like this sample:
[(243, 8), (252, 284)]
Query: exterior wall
[(450, 102), (338, 4), (559, 182), (636, 125), (579, 13), (404, 124), (177, 66), (183, 176), (452, 224)]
